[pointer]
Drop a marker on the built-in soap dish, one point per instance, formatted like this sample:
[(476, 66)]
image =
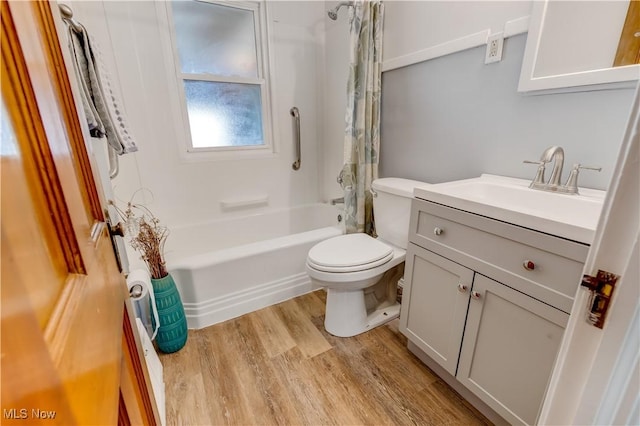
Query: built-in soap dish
[(244, 202)]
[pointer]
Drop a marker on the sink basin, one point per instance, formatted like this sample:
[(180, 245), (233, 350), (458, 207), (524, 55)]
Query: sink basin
[(574, 217)]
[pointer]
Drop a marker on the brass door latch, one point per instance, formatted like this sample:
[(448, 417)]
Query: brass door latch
[(601, 287)]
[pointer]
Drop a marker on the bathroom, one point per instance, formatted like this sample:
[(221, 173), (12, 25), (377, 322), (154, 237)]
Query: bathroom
[(446, 115)]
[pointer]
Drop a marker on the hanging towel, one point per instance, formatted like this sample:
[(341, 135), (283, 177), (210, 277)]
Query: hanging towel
[(103, 110)]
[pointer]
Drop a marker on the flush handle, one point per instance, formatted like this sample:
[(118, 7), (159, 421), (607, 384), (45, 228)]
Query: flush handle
[(462, 288), (438, 231), (528, 265)]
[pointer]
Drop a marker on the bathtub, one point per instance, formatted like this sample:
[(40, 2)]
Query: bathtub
[(230, 267)]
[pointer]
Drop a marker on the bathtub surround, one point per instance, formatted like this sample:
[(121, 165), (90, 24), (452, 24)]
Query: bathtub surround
[(228, 268), (134, 38), (362, 131)]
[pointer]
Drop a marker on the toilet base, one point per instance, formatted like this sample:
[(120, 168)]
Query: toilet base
[(346, 313)]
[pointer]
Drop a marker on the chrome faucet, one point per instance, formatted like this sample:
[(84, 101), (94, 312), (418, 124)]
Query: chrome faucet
[(556, 154)]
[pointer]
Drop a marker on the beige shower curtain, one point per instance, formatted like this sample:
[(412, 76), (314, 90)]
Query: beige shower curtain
[(362, 131)]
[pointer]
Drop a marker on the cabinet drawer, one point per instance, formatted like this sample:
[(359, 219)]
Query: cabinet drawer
[(500, 250)]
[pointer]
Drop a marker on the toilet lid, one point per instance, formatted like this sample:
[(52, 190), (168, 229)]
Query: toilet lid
[(349, 253)]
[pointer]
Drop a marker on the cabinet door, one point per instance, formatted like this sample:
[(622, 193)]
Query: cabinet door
[(434, 305), (509, 348)]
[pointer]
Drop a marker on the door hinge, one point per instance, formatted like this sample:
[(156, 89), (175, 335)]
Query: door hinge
[(114, 231), (601, 288)]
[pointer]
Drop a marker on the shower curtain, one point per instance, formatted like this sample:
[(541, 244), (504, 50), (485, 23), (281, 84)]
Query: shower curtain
[(362, 131)]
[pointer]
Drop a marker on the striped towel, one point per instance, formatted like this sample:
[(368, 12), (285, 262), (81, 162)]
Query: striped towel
[(101, 106)]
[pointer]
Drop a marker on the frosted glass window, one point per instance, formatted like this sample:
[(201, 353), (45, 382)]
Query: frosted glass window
[(224, 114), (215, 39), (220, 63)]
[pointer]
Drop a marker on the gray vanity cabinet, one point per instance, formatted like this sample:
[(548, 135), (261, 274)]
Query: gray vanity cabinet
[(434, 320), (509, 347), (499, 336)]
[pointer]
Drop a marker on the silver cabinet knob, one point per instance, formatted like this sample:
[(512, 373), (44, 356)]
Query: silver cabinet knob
[(528, 265), (475, 295), (438, 231), (462, 288)]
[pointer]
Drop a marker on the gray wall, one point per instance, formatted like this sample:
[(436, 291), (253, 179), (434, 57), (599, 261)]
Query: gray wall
[(455, 117)]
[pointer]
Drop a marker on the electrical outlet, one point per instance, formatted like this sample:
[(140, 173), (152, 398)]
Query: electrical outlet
[(494, 48)]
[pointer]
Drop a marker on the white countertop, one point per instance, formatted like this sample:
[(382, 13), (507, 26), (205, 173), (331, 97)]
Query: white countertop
[(574, 217)]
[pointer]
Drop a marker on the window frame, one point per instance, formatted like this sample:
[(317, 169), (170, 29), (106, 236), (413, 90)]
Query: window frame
[(263, 80)]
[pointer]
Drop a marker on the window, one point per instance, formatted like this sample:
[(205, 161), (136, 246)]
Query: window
[(220, 61)]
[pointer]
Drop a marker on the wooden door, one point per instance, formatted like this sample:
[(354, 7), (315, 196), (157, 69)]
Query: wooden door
[(69, 354), (628, 52), (510, 344), (437, 295)]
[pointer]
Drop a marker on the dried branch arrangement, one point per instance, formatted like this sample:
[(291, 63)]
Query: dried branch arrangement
[(146, 236)]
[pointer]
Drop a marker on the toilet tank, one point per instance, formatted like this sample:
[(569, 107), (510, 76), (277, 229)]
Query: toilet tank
[(392, 208)]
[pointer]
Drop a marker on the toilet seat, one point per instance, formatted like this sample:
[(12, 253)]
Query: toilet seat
[(349, 253)]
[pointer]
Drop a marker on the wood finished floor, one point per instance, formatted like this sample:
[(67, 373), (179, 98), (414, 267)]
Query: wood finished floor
[(278, 366)]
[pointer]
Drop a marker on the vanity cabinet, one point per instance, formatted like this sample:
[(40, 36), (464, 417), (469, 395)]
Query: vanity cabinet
[(509, 347), (434, 320), (488, 301)]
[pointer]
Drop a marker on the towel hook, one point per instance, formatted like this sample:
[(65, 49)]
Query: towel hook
[(67, 15)]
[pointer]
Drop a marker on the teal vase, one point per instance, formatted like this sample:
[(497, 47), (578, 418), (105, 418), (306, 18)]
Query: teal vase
[(172, 334)]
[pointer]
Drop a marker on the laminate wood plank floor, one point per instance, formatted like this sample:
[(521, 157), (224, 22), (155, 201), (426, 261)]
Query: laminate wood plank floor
[(278, 366)]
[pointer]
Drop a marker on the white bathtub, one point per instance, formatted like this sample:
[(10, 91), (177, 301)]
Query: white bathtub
[(228, 268)]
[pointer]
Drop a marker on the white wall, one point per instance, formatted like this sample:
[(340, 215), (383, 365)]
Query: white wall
[(411, 26), (580, 36), (189, 192)]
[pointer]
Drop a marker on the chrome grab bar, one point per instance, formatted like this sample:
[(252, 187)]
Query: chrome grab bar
[(114, 162), (295, 113)]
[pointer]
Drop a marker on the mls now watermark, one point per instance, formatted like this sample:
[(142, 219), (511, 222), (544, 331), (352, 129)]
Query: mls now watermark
[(24, 413)]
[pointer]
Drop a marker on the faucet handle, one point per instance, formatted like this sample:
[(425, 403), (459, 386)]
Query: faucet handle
[(539, 179), (571, 186), (578, 166)]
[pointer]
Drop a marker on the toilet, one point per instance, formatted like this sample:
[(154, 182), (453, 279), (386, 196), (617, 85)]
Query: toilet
[(360, 272)]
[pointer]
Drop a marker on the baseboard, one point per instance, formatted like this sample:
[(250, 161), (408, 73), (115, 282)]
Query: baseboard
[(216, 310), (487, 411)]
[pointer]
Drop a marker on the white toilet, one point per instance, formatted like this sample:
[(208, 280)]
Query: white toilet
[(360, 272)]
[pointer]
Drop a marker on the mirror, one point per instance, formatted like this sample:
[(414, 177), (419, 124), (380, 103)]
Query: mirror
[(572, 45)]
